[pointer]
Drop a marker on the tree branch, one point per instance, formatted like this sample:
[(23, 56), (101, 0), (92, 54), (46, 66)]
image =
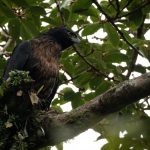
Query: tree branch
[(92, 67), (61, 127), (136, 9), (61, 13), (115, 26), (6, 45), (5, 34)]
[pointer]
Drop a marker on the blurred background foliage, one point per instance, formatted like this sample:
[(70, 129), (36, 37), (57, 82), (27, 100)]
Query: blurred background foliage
[(113, 48)]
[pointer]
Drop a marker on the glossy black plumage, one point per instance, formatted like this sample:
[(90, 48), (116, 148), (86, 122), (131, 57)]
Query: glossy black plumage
[(40, 56)]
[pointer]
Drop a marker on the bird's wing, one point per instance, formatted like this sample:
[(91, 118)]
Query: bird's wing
[(18, 58)]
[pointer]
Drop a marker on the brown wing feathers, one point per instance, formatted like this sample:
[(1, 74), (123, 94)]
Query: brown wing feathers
[(40, 56), (46, 53)]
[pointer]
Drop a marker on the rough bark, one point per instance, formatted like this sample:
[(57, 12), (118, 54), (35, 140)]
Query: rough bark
[(61, 127), (53, 128)]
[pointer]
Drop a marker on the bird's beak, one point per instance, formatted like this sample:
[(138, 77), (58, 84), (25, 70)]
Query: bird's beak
[(75, 40)]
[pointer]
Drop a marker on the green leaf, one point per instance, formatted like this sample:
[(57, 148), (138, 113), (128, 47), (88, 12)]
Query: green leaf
[(115, 57), (37, 10), (146, 9), (66, 13), (68, 65), (106, 147), (104, 86), (59, 146), (3, 20), (14, 28), (109, 9), (27, 30), (91, 11), (66, 3), (22, 3), (91, 29), (140, 68), (80, 6), (89, 96), (51, 21), (83, 80), (112, 34), (7, 3), (136, 18), (127, 36), (68, 93), (95, 82), (76, 100), (74, 97), (6, 11)]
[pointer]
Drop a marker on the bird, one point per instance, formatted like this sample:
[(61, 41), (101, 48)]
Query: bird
[(40, 56)]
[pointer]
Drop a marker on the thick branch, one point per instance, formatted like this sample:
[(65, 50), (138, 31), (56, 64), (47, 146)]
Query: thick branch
[(61, 127)]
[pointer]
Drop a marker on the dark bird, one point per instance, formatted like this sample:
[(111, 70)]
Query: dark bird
[(40, 56)]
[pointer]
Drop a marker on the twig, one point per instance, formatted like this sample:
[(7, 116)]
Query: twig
[(61, 13), (136, 9), (72, 78), (7, 44), (7, 54), (118, 8), (115, 26), (4, 33)]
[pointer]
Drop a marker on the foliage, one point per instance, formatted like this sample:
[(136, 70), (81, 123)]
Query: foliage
[(95, 65)]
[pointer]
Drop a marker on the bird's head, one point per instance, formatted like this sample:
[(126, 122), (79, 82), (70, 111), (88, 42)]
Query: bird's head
[(63, 36)]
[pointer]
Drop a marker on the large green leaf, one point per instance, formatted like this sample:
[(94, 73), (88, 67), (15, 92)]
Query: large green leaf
[(83, 79), (14, 28), (80, 6), (91, 29), (135, 19), (139, 68), (103, 86), (8, 3), (51, 21), (112, 34), (22, 3), (91, 11), (37, 10), (6, 11), (74, 97), (27, 30), (68, 93), (3, 20), (115, 57)]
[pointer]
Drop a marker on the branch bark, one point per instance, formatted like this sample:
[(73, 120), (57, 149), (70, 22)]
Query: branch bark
[(61, 127)]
